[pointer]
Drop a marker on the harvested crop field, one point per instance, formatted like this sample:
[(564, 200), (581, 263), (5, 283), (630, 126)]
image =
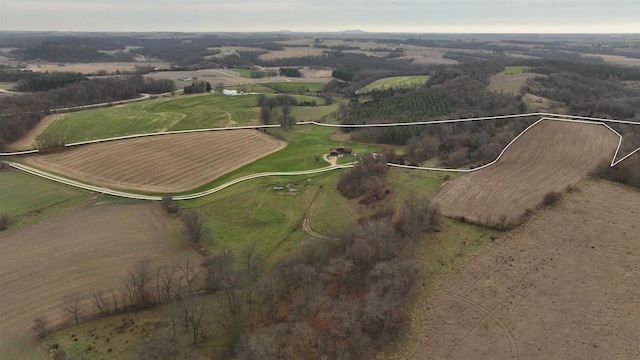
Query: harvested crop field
[(565, 285), (550, 156), (90, 246), (165, 163)]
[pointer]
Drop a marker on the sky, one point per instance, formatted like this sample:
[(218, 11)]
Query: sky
[(419, 16)]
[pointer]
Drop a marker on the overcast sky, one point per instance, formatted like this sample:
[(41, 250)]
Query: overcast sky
[(450, 16)]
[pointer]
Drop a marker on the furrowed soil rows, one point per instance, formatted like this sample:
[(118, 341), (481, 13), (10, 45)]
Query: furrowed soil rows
[(565, 285), (88, 247), (548, 157), (166, 163)]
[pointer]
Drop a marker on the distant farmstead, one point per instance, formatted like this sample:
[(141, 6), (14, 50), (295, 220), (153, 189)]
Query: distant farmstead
[(339, 151)]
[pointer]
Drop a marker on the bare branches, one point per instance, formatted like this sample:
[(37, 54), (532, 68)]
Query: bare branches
[(72, 305)]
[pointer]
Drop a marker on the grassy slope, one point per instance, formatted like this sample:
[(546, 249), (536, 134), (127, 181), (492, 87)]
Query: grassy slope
[(28, 198), (394, 82), (179, 113)]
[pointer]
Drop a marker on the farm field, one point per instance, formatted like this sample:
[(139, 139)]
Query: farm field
[(90, 246), (25, 196), (295, 87), (232, 78), (560, 286), (617, 59), (166, 163), (90, 68), (181, 113), (542, 160), (394, 82)]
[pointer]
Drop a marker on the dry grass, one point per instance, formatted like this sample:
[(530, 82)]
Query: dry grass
[(561, 286), (549, 157), (167, 163), (510, 84)]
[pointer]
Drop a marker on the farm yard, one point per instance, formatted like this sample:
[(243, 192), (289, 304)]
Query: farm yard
[(563, 285), (166, 163), (542, 160), (77, 250)]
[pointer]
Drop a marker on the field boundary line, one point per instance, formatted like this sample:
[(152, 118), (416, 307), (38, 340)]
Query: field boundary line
[(613, 161), (548, 116), (128, 195)]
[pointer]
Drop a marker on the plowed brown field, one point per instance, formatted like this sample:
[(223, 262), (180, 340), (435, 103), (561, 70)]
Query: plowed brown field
[(91, 246), (565, 285), (548, 157), (166, 163)]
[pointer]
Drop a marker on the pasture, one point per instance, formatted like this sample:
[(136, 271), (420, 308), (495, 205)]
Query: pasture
[(550, 156), (75, 251), (394, 82), (179, 113), (166, 163), (26, 197), (560, 286), (267, 211)]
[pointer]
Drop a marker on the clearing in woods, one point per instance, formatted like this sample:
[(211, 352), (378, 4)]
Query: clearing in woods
[(563, 285), (394, 82), (164, 163), (550, 156), (90, 246)]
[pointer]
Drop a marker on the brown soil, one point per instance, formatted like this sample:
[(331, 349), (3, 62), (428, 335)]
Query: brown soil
[(549, 157), (28, 141), (166, 163), (91, 246), (563, 286)]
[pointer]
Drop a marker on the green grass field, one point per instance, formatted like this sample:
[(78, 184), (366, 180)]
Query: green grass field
[(178, 113), (394, 82), (260, 211), (24, 195), (508, 70), (245, 73), (295, 86)]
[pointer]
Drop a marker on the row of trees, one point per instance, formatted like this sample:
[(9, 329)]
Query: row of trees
[(197, 87)]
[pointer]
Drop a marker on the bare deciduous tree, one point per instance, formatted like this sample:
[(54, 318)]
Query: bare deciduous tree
[(189, 271), (72, 305), (40, 327), (195, 225)]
